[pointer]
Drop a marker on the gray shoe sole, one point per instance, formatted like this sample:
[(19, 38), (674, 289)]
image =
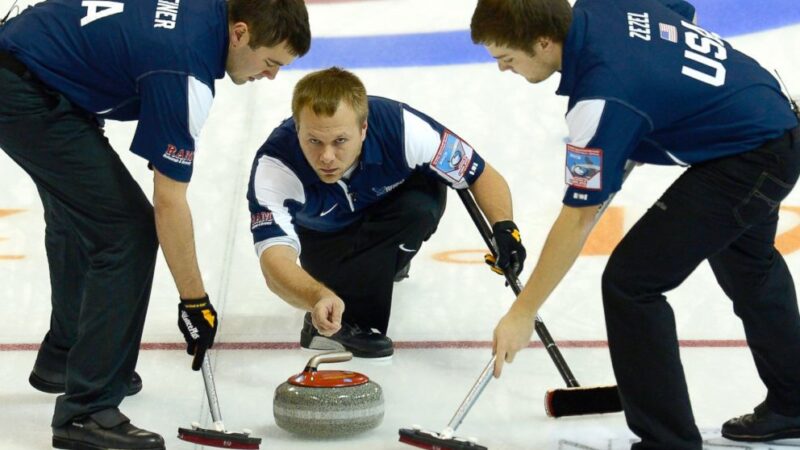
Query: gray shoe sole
[(326, 344)]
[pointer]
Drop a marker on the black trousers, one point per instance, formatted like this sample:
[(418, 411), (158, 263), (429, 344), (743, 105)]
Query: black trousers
[(724, 211), (100, 239), (359, 263)]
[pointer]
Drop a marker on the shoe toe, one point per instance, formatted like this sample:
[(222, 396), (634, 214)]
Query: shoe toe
[(761, 425), (136, 384)]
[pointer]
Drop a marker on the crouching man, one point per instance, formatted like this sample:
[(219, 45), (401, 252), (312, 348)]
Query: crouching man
[(358, 183)]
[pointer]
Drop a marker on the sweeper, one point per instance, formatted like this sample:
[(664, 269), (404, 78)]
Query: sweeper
[(570, 401), (645, 82)]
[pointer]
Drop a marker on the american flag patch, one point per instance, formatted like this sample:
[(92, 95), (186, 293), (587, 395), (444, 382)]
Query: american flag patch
[(668, 32)]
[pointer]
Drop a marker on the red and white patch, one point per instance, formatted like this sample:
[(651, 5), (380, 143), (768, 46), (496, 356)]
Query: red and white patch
[(584, 168), (261, 219), (453, 157), (180, 156)]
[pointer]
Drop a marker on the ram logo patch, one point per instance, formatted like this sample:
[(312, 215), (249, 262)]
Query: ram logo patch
[(261, 219), (180, 156)]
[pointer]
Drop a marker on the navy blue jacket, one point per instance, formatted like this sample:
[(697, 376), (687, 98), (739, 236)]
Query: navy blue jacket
[(645, 83), (154, 61)]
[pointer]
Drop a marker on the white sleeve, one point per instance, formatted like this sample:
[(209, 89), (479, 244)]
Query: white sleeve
[(447, 155), (200, 99), (583, 120), (422, 141), (274, 183)]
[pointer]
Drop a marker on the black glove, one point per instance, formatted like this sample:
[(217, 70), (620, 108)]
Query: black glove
[(197, 320), (510, 252)]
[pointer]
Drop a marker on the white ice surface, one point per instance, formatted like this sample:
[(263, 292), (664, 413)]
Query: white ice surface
[(519, 128)]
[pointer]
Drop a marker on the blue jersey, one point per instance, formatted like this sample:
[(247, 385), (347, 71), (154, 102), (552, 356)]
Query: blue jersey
[(154, 61), (645, 83), (285, 192)]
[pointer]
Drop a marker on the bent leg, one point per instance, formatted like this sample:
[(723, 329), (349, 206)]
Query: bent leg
[(62, 148), (360, 263), (661, 250), (755, 277)]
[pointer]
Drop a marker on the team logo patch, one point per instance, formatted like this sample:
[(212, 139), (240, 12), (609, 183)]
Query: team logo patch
[(184, 157), (453, 157), (668, 32), (585, 168), (261, 219)]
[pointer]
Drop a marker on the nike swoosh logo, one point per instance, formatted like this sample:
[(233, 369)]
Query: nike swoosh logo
[(325, 213), (408, 250)]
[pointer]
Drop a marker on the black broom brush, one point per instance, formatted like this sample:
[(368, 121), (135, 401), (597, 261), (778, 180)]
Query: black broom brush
[(573, 400)]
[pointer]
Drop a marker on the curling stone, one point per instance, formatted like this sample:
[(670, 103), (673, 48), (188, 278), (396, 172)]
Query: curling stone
[(328, 403)]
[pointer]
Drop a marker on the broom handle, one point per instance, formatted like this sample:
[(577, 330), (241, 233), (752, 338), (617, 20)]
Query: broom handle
[(470, 399), (211, 393), (516, 285)]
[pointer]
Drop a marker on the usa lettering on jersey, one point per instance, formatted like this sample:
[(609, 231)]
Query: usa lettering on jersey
[(701, 44), (702, 65)]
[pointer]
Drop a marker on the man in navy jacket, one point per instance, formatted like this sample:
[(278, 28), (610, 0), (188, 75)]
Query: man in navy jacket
[(65, 67), (645, 83), (353, 184)]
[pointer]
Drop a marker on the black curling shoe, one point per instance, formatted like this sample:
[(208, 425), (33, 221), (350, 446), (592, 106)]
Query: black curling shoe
[(361, 343), (761, 425), (53, 382), (105, 430)]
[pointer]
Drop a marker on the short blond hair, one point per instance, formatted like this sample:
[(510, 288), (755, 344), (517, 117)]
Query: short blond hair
[(324, 90)]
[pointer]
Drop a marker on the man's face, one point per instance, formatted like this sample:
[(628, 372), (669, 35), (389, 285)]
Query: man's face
[(535, 68), (245, 64), (331, 145)]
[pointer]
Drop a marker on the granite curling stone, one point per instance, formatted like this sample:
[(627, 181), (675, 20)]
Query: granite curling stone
[(328, 403)]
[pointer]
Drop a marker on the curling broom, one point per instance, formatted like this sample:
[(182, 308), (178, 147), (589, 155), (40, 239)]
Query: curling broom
[(573, 400), (417, 437), (218, 437)]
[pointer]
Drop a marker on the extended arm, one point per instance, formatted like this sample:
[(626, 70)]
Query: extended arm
[(176, 235), (492, 195), (173, 108), (494, 199), (562, 247), (295, 286), (197, 318)]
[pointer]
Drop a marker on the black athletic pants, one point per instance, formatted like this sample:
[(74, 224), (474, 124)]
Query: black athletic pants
[(724, 211), (100, 239), (359, 263)]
